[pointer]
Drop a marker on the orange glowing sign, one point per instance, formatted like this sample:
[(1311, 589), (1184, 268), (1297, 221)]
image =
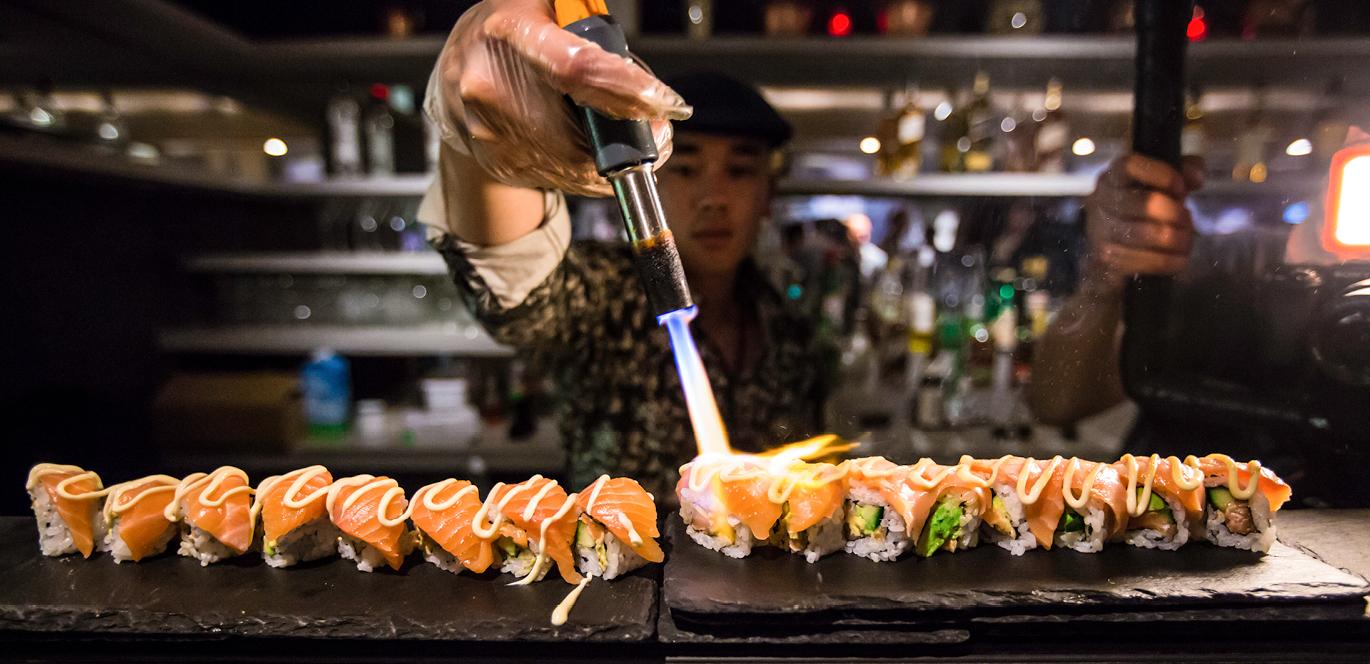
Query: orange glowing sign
[(1347, 226)]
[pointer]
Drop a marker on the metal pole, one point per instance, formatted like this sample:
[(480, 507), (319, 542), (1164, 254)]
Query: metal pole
[(1158, 118)]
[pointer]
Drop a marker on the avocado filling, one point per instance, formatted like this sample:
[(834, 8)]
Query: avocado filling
[(1157, 517), (943, 528), (511, 549), (590, 537), (1236, 513), (864, 521), (997, 518)]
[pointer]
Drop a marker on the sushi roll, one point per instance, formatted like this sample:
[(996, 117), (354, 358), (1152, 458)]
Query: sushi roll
[(215, 514), (294, 518), (370, 514), (811, 498), (543, 519), (874, 529), (724, 505), (1165, 501), (1242, 500), (444, 514), (1094, 506), (66, 502), (135, 519), (943, 506), (617, 531), (1004, 521)]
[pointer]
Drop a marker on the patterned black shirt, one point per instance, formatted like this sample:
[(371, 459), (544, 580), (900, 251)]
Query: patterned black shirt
[(619, 397)]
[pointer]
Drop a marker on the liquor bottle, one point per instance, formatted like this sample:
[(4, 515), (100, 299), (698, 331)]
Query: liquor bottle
[(1051, 133), (787, 18), (1021, 17), (1016, 142), (954, 133), (906, 18), (344, 135), (379, 127), (980, 128), (1253, 144), (523, 420), (1194, 135), (887, 132), (920, 305), (1277, 18), (910, 128)]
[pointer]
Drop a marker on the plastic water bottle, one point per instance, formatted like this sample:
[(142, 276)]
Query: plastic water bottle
[(327, 383)]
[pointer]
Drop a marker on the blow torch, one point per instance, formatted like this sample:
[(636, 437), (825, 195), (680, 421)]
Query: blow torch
[(624, 154)]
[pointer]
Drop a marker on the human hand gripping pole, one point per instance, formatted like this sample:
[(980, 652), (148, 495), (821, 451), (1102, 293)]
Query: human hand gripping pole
[(624, 152)]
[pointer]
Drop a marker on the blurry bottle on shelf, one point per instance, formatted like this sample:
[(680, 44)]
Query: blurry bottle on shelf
[(699, 18), (326, 383), (111, 132), (1023, 17), (979, 350), (1121, 16), (920, 304), (492, 398), (344, 135), (522, 417), (400, 20), (859, 364), (1194, 135), (968, 137), (1277, 18), (1253, 144), (38, 111), (1330, 123), (1016, 142), (906, 18), (787, 18), (379, 126), (887, 132), (901, 147), (1051, 133)]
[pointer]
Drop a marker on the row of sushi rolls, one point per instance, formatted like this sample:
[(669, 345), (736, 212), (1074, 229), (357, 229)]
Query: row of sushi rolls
[(874, 508), (604, 531)]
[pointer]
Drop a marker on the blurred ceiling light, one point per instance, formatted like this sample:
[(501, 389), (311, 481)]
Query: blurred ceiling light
[(870, 145), (1300, 147), (1083, 147), (942, 111), (275, 147)]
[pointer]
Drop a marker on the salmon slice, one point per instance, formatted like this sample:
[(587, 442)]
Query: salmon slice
[(361, 518), (812, 502), (547, 500), (915, 500), (745, 496), (77, 513), (1109, 493), (280, 519), (142, 524), (623, 498), (230, 521), (1044, 514), (1214, 466), (451, 525)]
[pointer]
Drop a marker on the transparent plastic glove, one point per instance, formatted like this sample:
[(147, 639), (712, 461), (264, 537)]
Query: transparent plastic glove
[(499, 91)]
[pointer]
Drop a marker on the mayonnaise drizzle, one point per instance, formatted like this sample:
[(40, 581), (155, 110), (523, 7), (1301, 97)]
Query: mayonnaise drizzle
[(291, 498), (918, 474), (488, 532), (1029, 497), (1179, 470), (114, 508), (38, 472), (370, 483), (594, 491), (965, 473), (1137, 505), (431, 490), (627, 523), (1253, 468), (1079, 502), (208, 483), (541, 559), (563, 610)]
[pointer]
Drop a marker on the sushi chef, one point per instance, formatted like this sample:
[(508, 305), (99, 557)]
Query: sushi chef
[(497, 214)]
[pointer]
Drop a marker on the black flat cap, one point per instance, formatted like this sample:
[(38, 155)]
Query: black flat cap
[(725, 105)]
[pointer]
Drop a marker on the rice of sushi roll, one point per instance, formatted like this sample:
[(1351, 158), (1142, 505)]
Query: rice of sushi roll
[(617, 531), (66, 504), (444, 514), (874, 528), (1095, 506), (294, 517), (135, 516), (1165, 501), (1242, 500), (215, 514), (706, 489), (370, 513)]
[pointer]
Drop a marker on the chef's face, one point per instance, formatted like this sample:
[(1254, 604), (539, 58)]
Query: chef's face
[(715, 191)]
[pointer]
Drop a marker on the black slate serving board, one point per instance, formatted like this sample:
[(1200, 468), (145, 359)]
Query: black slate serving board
[(708, 594), (174, 595)]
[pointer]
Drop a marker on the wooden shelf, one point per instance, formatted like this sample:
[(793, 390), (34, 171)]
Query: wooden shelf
[(396, 341)]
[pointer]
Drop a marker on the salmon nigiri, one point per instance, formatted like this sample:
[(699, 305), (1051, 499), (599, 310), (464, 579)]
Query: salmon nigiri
[(65, 502), (370, 512), (215, 511), (135, 516), (617, 532), (547, 516), (445, 515), (295, 523)]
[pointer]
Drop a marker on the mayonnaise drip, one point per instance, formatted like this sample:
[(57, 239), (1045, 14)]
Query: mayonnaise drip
[(426, 495), (38, 472), (1029, 497), (477, 522), (1253, 469), (541, 559), (918, 474), (1137, 505), (1182, 472), (115, 505), (365, 484), (1079, 502), (563, 610), (594, 491), (291, 497), (964, 471)]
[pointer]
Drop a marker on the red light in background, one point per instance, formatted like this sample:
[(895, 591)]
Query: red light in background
[(380, 91), (882, 21), (1197, 30), (840, 24)]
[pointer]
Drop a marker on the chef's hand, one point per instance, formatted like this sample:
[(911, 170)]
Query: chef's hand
[(498, 94), (1136, 221)]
